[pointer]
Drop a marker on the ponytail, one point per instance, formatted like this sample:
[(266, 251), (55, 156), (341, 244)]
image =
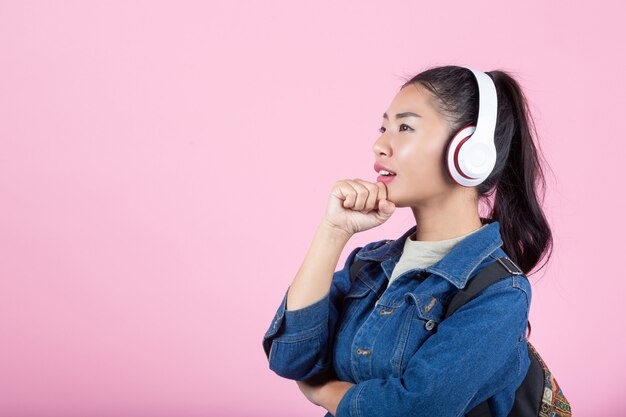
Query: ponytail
[(525, 230)]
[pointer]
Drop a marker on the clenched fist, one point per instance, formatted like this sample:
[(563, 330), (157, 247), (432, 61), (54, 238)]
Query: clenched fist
[(356, 205)]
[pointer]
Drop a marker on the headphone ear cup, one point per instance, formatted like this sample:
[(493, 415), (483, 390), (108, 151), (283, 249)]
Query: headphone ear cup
[(452, 154)]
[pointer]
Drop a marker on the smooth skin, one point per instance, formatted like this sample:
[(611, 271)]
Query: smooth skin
[(413, 147)]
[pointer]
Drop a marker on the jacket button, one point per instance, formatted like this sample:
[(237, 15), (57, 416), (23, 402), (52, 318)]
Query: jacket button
[(429, 325)]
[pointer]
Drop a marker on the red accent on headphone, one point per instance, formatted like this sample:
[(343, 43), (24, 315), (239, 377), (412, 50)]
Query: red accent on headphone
[(456, 156)]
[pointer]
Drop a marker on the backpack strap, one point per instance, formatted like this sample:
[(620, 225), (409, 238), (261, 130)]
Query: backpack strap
[(355, 267), (495, 271), (529, 394)]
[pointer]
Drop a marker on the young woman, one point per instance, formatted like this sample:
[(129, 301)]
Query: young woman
[(378, 346)]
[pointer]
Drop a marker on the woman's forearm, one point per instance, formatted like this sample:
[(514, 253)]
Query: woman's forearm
[(331, 393), (312, 282)]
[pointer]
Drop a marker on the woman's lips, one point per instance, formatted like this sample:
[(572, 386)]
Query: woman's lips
[(385, 178)]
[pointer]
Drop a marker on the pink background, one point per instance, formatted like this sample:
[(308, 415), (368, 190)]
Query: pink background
[(164, 166)]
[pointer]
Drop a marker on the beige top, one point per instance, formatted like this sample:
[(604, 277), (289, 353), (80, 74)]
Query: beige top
[(423, 253)]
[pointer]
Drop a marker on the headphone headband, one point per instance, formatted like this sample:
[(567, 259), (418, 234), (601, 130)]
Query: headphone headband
[(488, 107)]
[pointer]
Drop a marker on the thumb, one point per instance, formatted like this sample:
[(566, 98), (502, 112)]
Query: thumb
[(386, 207)]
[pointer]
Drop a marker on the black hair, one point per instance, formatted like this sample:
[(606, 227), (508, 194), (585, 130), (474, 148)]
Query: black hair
[(517, 175)]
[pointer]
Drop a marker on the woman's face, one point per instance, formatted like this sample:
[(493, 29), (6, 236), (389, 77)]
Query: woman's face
[(413, 147)]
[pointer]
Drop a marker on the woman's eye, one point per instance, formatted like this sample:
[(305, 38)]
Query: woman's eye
[(382, 129)]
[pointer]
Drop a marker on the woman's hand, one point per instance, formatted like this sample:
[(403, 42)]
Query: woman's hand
[(356, 205)]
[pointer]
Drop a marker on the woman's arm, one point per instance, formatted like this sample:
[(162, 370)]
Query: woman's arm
[(313, 279), (299, 341)]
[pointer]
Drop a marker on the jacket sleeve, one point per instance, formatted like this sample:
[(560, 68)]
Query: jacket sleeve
[(298, 343), (475, 352)]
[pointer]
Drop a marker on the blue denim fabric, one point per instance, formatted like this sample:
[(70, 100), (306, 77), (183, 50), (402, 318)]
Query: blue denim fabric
[(394, 344)]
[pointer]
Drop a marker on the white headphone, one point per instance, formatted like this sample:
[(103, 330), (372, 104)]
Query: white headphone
[(472, 151)]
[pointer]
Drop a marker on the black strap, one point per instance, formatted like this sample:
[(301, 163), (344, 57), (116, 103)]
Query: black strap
[(355, 267), (495, 271), (481, 410), (529, 393)]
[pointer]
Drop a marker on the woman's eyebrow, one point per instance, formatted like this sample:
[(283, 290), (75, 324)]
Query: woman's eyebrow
[(401, 115)]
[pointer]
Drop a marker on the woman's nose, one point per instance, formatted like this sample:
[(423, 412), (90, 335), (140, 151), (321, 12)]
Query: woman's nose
[(381, 147)]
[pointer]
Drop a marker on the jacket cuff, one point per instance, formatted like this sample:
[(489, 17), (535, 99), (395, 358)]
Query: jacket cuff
[(302, 320)]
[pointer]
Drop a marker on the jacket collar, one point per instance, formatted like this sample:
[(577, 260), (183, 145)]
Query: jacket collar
[(457, 266)]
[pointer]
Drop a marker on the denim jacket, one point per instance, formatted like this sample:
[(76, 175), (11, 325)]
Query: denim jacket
[(393, 342)]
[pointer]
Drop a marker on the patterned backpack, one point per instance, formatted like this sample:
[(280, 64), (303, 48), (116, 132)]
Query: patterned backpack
[(539, 395)]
